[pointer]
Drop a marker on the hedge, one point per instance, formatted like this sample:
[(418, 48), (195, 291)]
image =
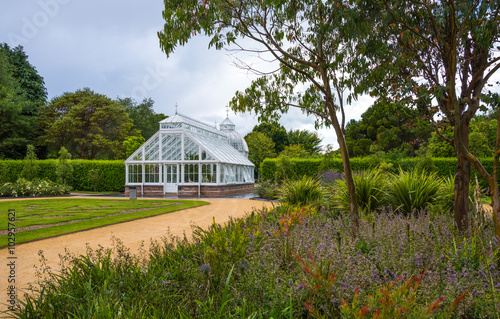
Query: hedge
[(443, 166), (111, 173)]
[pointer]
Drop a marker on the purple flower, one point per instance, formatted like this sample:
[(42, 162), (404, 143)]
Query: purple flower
[(205, 269)]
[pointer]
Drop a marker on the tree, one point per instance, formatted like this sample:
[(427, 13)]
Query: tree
[(311, 42), (294, 151), (32, 84), (30, 89), (387, 126), (30, 168), (64, 169), (444, 52), (260, 147), (144, 117), (16, 128), (132, 143), (86, 123), (309, 141), (276, 132)]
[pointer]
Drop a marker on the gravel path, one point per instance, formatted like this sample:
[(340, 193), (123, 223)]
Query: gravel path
[(132, 234)]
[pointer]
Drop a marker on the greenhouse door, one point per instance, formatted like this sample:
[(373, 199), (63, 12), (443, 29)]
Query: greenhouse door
[(171, 178)]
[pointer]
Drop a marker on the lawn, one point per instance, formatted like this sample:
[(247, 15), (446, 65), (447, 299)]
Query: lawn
[(42, 218)]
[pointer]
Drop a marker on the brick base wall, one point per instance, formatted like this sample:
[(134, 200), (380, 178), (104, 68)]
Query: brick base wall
[(192, 190), (148, 190)]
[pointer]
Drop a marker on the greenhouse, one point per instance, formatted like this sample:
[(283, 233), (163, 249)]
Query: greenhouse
[(187, 157)]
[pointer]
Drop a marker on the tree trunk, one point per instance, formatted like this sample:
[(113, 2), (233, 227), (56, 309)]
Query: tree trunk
[(462, 179), (351, 189), (495, 205)]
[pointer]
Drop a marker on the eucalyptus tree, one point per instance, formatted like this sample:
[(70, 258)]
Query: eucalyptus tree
[(441, 54), (309, 42)]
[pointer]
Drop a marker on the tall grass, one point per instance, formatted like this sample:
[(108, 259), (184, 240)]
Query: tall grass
[(415, 190), (305, 191), (371, 191)]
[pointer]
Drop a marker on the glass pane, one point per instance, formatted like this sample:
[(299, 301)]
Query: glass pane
[(138, 157), (171, 147), (152, 150), (191, 150)]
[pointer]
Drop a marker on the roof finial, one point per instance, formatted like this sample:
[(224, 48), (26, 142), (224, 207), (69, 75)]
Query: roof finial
[(176, 108), (227, 111), (215, 123)]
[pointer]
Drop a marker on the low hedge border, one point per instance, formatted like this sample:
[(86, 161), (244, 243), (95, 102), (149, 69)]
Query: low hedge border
[(111, 173), (310, 167)]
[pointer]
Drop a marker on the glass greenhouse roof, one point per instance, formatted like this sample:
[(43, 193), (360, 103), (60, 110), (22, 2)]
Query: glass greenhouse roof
[(179, 121), (183, 139), (221, 151)]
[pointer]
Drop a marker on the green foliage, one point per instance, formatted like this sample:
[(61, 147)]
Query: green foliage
[(303, 192), (223, 246), (285, 169), (143, 116), (387, 126), (111, 173), (132, 143), (31, 83), (276, 132), (64, 169), (17, 128), (87, 124), (414, 190), (294, 151), (260, 147), (26, 188), (310, 141), (267, 189), (94, 178), (30, 168), (371, 191)]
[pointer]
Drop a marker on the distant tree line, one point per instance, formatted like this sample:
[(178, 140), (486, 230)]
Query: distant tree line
[(87, 124)]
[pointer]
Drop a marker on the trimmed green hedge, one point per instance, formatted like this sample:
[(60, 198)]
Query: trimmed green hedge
[(111, 173), (310, 167)]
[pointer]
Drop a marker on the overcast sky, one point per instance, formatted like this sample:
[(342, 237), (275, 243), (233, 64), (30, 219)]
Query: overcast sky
[(112, 47)]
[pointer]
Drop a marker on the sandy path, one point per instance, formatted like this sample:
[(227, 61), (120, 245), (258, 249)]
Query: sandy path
[(132, 234)]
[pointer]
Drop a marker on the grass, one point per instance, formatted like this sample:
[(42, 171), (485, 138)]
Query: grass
[(77, 214), (92, 192)]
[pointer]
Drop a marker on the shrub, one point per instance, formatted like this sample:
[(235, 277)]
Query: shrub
[(415, 190), (25, 188), (30, 168), (371, 191), (267, 189), (285, 169), (111, 173), (306, 191), (64, 169)]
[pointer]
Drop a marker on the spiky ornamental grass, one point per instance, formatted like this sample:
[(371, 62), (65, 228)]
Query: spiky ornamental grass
[(414, 190), (306, 191), (371, 191)]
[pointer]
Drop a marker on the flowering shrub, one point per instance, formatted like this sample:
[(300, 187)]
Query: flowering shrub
[(267, 189), (25, 188), (329, 177)]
